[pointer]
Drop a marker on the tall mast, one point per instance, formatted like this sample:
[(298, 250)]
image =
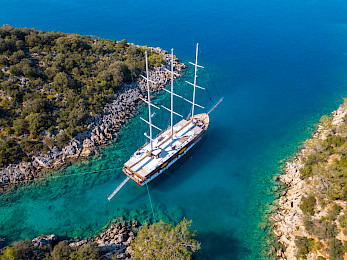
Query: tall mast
[(172, 112), (149, 122), (196, 69), (149, 104), (172, 73)]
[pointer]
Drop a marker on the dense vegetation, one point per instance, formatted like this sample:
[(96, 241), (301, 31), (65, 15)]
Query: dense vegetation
[(26, 250), (163, 241), (156, 241), (51, 82), (325, 168)]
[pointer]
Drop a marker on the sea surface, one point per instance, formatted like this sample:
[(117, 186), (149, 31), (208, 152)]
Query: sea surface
[(280, 65)]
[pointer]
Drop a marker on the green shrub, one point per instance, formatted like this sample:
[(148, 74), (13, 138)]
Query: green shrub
[(302, 244), (306, 171), (335, 249), (8, 254), (61, 251), (335, 211), (163, 241), (345, 246), (326, 230), (86, 251), (62, 139), (23, 249), (307, 205), (309, 226), (10, 152)]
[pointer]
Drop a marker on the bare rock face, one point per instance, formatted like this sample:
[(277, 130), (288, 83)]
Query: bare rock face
[(75, 245), (44, 161), (339, 116), (116, 240), (15, 172)]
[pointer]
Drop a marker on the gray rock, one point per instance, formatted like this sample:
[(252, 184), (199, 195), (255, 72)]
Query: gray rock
[(77, 244), (46, 240), (44, 161)]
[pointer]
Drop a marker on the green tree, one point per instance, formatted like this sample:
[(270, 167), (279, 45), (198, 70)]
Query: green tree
[(3, 60), (61, 81), (155, 60), (37, 123), (335, 249), (302, 243), (61, 251), (23, 249), (17, 56), (343, 219), (8, 254), (9, 152), (86, 251), (307, 205), (163, 241), (326, 230), (62, 139), (19, 126), (335, 211)]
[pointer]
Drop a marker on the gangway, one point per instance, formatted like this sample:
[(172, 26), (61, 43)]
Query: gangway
[(118, 188)]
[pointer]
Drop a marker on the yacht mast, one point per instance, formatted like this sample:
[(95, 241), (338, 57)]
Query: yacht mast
[(195, 70), (171, 112), (194, 84), (149, 122), (149, 103)]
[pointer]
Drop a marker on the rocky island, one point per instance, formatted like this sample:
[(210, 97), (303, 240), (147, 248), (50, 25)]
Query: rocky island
[(311, 222), (63, 95)]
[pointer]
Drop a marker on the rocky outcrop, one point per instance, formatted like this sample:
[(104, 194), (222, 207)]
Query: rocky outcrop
[(114, 243), (116, 240), (101, 128), (15, 172), (289, 219), (44, 240)]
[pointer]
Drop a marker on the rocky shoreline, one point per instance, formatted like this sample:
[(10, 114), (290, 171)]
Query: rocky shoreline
[(102, 127), (289, 219), (113, 243)]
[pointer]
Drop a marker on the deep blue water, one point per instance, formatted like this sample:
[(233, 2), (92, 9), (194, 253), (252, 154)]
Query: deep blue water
[(280, 66)]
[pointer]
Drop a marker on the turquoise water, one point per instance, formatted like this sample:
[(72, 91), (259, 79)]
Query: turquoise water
[(280, 65)]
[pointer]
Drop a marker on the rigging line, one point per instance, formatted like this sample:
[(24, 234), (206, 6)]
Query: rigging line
[(214, 85), (54, 177), (184, 103), (206, 89), (150, 201)]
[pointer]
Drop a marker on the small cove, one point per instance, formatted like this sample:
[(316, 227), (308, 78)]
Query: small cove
[(280, 67)]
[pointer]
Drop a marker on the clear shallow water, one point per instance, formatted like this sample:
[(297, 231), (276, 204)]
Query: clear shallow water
[(279, 64)]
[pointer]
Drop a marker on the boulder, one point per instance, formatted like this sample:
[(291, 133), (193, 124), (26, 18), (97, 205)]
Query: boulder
[(44, 161), (44, 240)]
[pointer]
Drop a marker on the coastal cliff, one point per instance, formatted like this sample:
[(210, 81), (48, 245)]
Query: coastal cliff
[(311, 220)]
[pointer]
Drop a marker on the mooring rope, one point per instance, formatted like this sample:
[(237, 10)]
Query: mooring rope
[(150, 201)]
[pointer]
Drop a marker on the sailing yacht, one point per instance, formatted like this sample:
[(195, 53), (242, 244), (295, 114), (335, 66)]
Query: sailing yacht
[(156, 156)]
